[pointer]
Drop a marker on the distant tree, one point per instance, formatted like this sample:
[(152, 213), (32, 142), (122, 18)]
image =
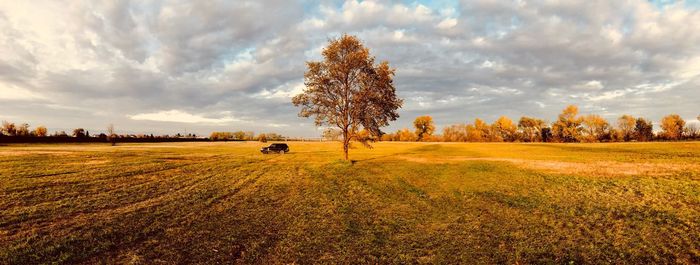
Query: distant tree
[(347, 90), (455, 133), (505, 129), (697, 134), (391, 136), (397, 135), (407, 135), (365, 134), (239, 135), (111, 135), (274, 137), (40, 131), (386, 137), (262, 138), (692, 131), (330, 134), (433, 138), (79, 133), (480, 131), (546, 134), (472, 134), (643, 130), (672, 126), (23, 130), (568, 127), (531, 128), (615, 135), (625, 126), (9, 128), (595, 128), (424, 127), (249, 136), (221, 136)]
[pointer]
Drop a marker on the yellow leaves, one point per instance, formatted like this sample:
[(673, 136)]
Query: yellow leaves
[(347, 91), (424, 127), (567, 127), (595, 127), (505, 129), (673, 126)]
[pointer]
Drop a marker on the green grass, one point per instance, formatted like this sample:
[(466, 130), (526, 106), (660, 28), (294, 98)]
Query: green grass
[(397, 203)]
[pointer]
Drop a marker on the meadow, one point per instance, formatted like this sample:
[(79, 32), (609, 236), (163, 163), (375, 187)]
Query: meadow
[(419, 203)]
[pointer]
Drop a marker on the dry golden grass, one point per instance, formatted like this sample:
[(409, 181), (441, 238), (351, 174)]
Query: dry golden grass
[(597, 168), (398, 203)]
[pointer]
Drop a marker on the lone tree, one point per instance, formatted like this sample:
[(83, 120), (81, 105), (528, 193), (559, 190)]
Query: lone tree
[(79, 133), (111, 135), (348, 91), (40, 131), (424, 127)]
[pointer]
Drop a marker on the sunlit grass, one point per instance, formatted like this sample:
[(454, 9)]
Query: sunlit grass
[(396, 203)]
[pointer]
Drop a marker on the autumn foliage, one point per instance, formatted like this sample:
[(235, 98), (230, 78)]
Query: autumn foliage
[(424, 127), (348, 91), (569, 127)]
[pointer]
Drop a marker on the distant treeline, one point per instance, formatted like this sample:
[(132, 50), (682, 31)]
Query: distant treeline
[(569, 127), (12, 133), (245, 136), (95, 139)]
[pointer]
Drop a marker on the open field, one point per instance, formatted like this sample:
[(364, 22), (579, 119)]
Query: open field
[(398, 203)]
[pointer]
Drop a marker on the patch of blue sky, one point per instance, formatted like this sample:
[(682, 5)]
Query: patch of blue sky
[(312, 6), (695, 4), (437, 5), (237, 55)]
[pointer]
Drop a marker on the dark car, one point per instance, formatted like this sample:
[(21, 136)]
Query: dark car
[(275, 148)]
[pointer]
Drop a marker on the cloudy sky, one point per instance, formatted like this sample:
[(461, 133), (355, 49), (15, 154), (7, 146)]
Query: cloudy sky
[(198, 66)]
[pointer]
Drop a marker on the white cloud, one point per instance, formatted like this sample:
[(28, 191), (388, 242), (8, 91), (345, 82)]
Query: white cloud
[(608, 95), (12, 92), (655, 87), (590, 85), (178, 116), (398, 35), (689, 68), (447, 23), (286, 91)]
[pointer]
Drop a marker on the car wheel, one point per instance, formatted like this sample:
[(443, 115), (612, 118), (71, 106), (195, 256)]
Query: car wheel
[(282, 152)]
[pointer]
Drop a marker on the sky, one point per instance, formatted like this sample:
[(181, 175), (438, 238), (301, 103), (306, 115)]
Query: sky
[(201, 66)]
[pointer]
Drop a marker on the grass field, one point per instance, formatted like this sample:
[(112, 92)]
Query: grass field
[(398, 203)]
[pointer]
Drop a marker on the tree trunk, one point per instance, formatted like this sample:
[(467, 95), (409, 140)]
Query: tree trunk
[(346, 145), (345, 149)]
